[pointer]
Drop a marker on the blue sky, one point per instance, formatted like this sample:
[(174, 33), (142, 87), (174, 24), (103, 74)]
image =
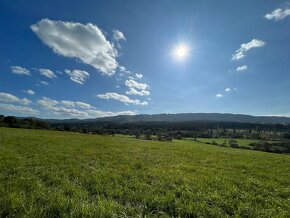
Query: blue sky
[(86, 59)]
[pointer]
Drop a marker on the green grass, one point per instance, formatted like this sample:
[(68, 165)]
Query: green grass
[(62, 174)]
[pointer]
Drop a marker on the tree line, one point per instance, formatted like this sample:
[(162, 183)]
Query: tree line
[(28, 123)]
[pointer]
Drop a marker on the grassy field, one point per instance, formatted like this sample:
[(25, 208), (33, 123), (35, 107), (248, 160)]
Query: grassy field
[(62, 174)]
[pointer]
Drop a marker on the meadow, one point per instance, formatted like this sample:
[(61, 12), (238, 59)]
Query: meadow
[(63, 174)]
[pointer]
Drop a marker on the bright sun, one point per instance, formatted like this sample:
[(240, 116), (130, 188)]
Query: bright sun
[(181, 51)]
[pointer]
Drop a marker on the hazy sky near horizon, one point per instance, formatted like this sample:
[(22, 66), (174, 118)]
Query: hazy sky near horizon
[(87, 59)]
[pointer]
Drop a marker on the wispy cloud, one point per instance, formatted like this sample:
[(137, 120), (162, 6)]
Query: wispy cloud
[(20, 70), (44, 83), (242, 68), (118, 35), (245, 47), (122, 98), (123, 70), (228, 90), (278, 14)]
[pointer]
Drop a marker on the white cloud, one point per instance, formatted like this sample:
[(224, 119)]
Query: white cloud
[(278, 14), (6, 97), (136, 88), (219, 95), (78, 76), (241, 52), (242, 68), (44, 83), (75, 109), (20, 70), (118, 35), (122, 98), (83, 105), (138, 75), (29, 92), (123, 70), (85, 42), (48, 73), (227, 90), (133, 84), (47, 102), (17, 109), (133, 91), (68, 103)]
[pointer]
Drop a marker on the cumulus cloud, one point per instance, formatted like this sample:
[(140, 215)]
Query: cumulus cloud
[(227, 89), (133, 84), (6, 97), (278, 14), (118, 35), (122, 98), (219, 95), (133, 91), (17, 109), (29, 92), (136, 88), (86, 42), (241, 52), (139, 75), (47, 102), (20, 70), (48, 73), (78, 76), (242, 68), (75, 109)]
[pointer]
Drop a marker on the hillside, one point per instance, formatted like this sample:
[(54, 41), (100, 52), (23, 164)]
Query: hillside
[(62, 174), (182, 117)]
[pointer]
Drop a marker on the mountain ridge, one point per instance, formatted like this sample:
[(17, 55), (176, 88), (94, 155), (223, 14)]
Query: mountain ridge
[(180, 117)]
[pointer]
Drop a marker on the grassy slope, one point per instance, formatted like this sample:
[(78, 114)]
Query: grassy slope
[(46, 173)]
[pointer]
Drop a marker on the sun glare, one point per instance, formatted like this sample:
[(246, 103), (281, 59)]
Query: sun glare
[(181, 52)]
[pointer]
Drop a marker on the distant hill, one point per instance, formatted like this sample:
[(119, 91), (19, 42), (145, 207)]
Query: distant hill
[(181, 117)]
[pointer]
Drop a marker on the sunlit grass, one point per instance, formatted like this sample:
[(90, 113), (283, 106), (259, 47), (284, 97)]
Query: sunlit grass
[(51, 174)]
